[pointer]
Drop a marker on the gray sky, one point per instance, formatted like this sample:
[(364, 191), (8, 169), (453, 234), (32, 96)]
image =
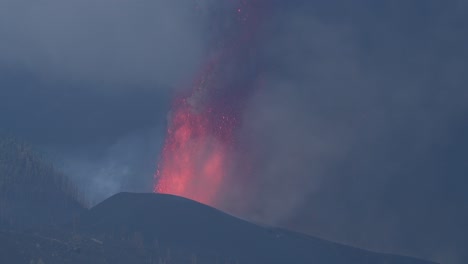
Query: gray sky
[(359, 134)]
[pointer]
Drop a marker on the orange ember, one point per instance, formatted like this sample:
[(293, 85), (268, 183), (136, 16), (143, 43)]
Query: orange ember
[(198, 148), (194, 159)]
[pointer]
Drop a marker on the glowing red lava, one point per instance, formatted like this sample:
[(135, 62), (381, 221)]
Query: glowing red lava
[(196, 156)]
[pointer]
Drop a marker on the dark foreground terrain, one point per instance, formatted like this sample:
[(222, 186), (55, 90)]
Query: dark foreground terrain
[(42, 221), (156, 228)]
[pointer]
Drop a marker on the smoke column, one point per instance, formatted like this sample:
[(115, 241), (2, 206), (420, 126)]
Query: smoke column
[(201, 142)]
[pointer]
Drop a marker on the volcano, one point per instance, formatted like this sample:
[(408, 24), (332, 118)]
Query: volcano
[(187, 227), (161, 228)]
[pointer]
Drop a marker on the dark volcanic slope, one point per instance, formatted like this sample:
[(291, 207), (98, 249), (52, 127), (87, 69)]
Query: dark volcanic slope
[(180, 224)]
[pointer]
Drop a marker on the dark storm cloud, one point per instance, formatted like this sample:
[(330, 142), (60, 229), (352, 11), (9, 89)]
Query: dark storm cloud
[(93, 70), (360, 127), (110, 41)]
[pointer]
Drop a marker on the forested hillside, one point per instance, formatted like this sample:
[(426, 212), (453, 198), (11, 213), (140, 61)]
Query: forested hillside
[(32, 191)]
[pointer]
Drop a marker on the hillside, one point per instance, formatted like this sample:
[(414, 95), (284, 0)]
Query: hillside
[(165, 229), (32, 192), (172, 222)]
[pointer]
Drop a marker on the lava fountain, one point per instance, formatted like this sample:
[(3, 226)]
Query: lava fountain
[(200, 141), (195, 156)]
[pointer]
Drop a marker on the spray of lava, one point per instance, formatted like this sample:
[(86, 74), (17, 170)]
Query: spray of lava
[(197, 153), (195, 156)]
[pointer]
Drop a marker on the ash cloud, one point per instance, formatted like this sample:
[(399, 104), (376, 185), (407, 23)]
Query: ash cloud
[(126, 165), (356, 133)]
